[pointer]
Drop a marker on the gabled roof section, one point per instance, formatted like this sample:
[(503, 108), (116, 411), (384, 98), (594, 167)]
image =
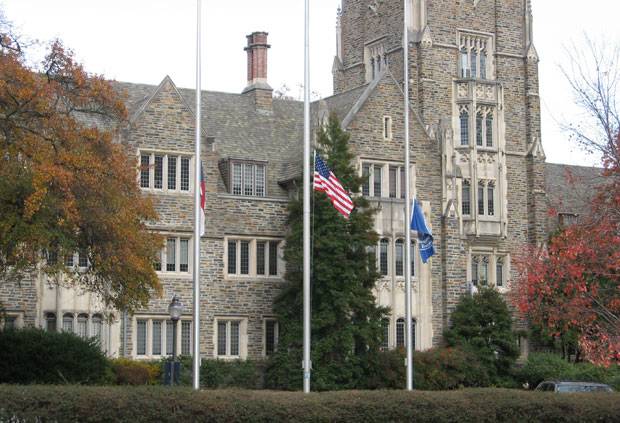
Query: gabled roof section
[(147, 101), (366, 92), (370, 88)]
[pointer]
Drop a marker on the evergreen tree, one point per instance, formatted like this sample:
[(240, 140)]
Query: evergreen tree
[(346, 322), (482, 324)]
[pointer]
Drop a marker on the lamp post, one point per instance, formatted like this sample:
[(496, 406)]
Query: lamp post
[(174, 309)]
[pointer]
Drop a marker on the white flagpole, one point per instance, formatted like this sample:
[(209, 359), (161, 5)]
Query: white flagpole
[(408, 340), (197, 211), (307, 365)]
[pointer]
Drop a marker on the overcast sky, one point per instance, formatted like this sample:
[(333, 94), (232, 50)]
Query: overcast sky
[(144, 40)]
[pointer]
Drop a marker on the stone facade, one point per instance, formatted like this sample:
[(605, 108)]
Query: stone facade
[(478, 168)]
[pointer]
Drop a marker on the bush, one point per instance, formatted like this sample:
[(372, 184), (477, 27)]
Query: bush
[(146, 404), (482, 324), (449, 368), (542, 366), (434, 369), (132, 372), (386, 370), (36, 356), (549, 366), (232, 374)]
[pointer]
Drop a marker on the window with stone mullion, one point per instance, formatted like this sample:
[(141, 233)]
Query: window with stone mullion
[(480, 198), (464, 122), (489, 129), (399, 257), (499, 272), (273, 258), (145, 171), (479, 123), (270, 336), (466, 198), (366, 179), (385, 338), (383, 257), (158, 173), (377, 181), (260, 257)]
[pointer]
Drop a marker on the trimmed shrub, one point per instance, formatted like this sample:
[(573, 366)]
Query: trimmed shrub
[(147, 404), (132, 372), (232, 374), (36, 356)]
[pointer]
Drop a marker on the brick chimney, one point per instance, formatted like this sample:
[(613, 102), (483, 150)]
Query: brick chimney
[(258, 88)]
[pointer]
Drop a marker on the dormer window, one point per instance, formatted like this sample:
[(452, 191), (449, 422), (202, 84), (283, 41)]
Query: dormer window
[(248, 179)]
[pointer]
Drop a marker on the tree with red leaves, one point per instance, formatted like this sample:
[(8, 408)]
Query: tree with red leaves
[(574, 283)]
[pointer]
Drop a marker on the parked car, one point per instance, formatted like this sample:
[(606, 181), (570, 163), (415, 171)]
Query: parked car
[(566, 386)]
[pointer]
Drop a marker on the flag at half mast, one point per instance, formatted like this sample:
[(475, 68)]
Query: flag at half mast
[(326, 181)]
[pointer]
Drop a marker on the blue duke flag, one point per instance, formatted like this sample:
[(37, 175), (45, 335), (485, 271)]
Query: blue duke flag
[(425, 237)]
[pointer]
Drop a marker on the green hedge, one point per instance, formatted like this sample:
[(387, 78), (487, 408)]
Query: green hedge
[(37, 356), (246, 374), (161, 404)]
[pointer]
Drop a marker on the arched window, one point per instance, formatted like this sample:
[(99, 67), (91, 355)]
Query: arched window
[(400, 333), (399, 262), (385, 340), (479, 120), (97, 326), (50, 322), (67, 322), (489, 129), (82, 325), (383, 256), (491, 198), (464, 127), (466, 198)]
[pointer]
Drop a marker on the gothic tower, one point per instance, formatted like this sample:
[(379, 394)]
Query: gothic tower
[(474, 92)]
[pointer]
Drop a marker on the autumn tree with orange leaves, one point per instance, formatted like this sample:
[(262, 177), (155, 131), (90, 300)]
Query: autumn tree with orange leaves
[(65, 185), (573, 285)]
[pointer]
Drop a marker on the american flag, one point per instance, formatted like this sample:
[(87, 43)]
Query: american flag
[(202, 200), (325, 180)]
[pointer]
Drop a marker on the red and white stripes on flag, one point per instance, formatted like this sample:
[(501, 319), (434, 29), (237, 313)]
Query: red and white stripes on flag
[(326, 181)]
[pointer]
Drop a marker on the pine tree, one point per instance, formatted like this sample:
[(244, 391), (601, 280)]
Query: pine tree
[(346, 322)]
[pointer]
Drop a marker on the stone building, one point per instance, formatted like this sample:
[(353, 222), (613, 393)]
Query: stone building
[(478, 168)]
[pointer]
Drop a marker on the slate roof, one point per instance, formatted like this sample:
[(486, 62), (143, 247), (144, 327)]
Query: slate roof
[(570, 188), (241, 131)]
